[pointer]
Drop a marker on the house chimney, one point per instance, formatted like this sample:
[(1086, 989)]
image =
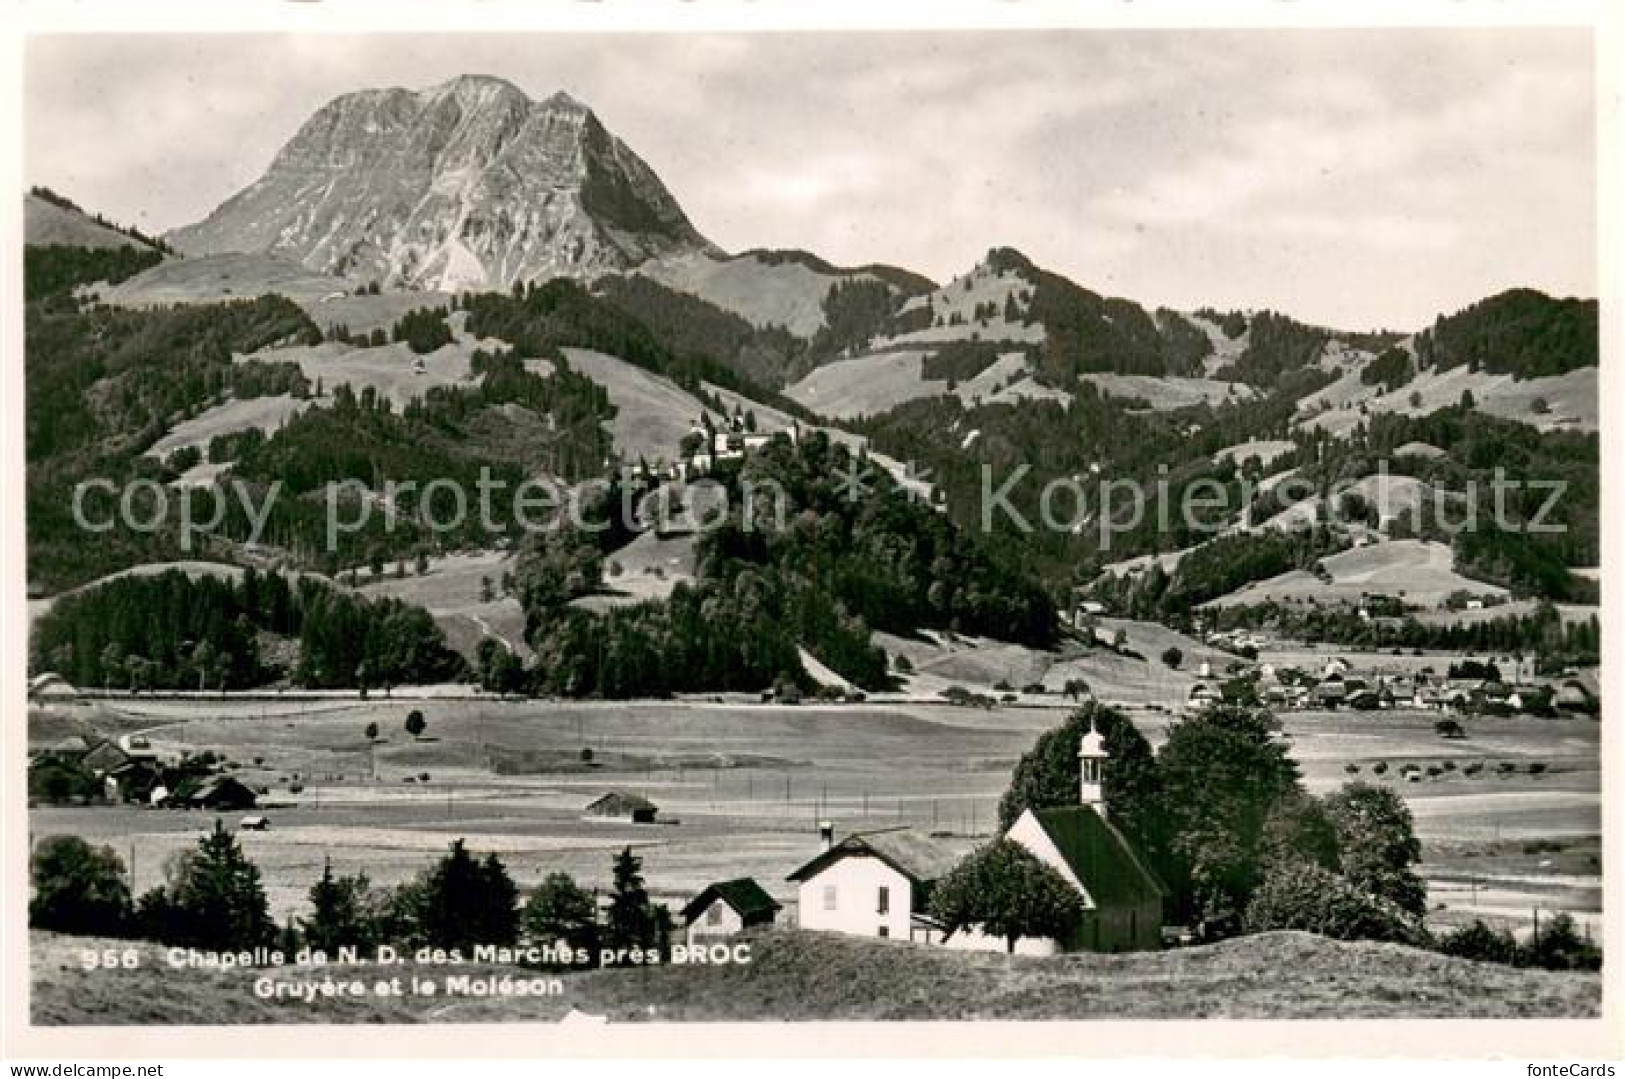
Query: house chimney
[(826, 833), (1092, 757)]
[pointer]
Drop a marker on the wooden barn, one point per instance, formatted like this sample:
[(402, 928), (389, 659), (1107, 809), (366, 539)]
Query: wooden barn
[(622, 806), (219, 792)]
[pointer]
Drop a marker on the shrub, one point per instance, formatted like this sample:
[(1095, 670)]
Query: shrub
[(1380, 768), (1315, 900), (1557, 946), (560, 910), (1007, 892), (1172, 656), (1480, 942), (78, 888), (1351, 768), (1449, 728), (1537, 767)]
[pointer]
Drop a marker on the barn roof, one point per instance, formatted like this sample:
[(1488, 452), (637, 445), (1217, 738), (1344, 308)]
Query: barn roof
[(50, 683), (744, 895), (1100, 856), (916, 856), (214, 786), (624, 800), (106, 756)]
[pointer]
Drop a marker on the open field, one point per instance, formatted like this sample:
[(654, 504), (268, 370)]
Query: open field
[(1267, 450), (805, 976), (220, 278), (741, 787), (453, 592), (46, 224), (1571, 399), (329, 301), (865, 386), (1418, 571), (1169, 392), (652, 414), (265, 413), (786, 293)]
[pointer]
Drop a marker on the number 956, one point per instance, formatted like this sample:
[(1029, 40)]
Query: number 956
[(109, 959)]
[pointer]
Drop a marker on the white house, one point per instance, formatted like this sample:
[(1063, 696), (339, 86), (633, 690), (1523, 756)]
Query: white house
[(873, 884), (726, 908)]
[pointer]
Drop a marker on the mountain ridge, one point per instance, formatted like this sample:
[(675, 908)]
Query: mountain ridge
[(467, 184)]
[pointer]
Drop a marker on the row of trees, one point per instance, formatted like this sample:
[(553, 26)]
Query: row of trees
[(213, 897)]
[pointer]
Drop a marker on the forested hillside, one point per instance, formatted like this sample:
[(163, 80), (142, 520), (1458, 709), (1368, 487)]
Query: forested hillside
[(174, 631), (842, 568), (1521, 332)]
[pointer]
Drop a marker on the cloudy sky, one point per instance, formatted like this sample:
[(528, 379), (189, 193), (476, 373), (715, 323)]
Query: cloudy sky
[(1351, 177)]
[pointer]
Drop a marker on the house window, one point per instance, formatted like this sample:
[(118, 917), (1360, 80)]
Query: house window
[(885, 931), (829, 897), (713, 916), (883, 902)]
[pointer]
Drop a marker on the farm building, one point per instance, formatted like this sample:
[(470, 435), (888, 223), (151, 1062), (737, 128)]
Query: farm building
[(1122, 897), (105, 757), (1575, 696), (873, 884), (623, 806), (134, 780), (1203, 693), (73, 747), (49, 688), (726, 908), (218, 792)]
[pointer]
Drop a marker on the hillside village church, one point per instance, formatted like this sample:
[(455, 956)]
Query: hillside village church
[(1122, 897), (878, 884)]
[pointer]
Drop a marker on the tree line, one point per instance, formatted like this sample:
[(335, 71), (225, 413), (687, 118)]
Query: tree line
[(213, 898)]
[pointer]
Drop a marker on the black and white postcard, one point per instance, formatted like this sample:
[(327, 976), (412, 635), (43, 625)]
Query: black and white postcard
[(594, 520)]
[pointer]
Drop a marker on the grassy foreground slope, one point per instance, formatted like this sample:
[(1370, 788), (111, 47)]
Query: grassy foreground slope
[(801, 976)]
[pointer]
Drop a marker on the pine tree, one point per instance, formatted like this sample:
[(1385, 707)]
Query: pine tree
[(219, 899), (632, 921), (338, 914), (465, 902)]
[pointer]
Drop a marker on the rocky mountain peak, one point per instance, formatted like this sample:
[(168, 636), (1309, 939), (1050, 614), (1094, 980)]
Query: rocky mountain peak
[(468, 184)]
